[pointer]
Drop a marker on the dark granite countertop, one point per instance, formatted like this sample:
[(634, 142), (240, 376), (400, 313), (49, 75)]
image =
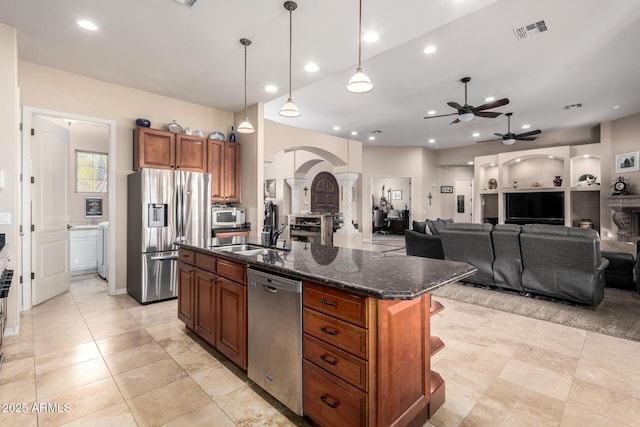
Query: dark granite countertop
[(366, 273)]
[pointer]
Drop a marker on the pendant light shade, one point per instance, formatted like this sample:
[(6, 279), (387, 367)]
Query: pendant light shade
[(245, 126), (360, 82), (290, 109)]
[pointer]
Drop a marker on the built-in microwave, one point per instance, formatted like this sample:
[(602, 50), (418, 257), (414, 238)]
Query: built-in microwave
[(225, 217)]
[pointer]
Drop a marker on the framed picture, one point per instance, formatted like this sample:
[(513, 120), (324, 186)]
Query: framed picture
[(396, 195), (93, 207), (627, 162), (270, 188), (446, 188)]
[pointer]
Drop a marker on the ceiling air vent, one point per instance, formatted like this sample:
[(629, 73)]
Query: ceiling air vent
[(529, 30), (188, 3), (569, 107)]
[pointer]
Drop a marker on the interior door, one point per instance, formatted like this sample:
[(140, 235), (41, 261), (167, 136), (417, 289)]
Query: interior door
[(49, 216), (325, 193), (463, 191)]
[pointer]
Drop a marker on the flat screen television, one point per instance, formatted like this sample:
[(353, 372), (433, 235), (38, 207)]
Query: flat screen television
[(535, 208)]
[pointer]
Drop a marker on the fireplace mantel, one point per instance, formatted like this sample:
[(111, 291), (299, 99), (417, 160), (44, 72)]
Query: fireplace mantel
[(626, 210)]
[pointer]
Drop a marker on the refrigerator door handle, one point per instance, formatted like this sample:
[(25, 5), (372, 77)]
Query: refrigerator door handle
[(179, 210)]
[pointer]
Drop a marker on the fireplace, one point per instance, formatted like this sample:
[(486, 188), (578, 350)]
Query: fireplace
[(626, 216)]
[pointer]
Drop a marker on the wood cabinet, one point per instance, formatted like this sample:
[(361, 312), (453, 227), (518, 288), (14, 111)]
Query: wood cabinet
[(212, 301), (366, 361), (224, 165), (154, 148), (311, 228), (186, 293), (83, 250)]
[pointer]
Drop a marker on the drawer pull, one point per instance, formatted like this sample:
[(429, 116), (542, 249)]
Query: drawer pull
[(328, 331), (331, 303), (325, 400), (326, 359)]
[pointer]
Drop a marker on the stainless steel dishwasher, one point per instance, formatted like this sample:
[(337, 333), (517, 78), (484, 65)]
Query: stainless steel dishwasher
[(275, 336)]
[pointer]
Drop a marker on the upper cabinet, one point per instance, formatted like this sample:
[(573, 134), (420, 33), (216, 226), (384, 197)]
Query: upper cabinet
[(153, 148), (226, 174)]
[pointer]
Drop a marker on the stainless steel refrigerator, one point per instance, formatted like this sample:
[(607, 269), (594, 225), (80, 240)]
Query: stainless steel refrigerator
[(163, 206)]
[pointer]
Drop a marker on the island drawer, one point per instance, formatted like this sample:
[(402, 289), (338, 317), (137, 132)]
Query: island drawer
[(232, 270), (329, 401), (342, 364), (336, 303), (186, 256), (336, 332), (206, 262)]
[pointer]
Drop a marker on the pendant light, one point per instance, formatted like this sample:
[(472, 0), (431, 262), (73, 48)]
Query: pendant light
[(360, 82), (290, 109), (245, 126)]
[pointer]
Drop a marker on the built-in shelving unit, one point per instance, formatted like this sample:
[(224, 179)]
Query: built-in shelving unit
[(534, 171), (312, 228)]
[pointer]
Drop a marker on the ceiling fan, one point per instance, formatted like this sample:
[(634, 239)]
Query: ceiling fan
[(509, 138), (466, 112)]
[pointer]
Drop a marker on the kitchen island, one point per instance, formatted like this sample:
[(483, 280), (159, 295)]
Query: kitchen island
[(366, 324)]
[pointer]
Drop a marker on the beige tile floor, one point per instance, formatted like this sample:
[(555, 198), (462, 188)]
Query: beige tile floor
[(115, 362)]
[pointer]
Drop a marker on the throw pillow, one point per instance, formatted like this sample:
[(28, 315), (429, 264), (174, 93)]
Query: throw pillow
[(419, 227)]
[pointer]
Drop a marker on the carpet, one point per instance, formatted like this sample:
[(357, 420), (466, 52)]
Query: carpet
[(617, 315)]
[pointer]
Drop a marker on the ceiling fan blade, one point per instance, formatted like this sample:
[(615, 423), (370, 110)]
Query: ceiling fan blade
[(441, 115), (487, 114), (493, 104), (455, 121), (499, 134), (489, 140), (533, 132), (454, 105), (526, 138)]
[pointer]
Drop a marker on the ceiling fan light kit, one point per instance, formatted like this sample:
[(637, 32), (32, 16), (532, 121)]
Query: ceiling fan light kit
[(466, 117), (245, 125), (510, 138), (360, 82), (290, 109)]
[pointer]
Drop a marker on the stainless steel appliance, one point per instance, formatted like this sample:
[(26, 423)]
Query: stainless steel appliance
[(163, 206), (275, 336), (103, 250), (227, 217)]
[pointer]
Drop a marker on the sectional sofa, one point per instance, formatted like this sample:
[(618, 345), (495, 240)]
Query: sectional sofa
[(555, 261)]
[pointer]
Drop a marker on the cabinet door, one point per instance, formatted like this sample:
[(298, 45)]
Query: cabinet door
[(191, 153), (205, 319), (153, 148), (232, 172), (186, 293), (231, 328), (216, 168)]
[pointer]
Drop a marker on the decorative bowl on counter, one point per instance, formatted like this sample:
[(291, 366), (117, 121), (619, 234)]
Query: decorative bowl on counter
[(174, 127), (217, 136)]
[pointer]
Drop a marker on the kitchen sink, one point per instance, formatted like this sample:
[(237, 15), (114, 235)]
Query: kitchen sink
[(240, 248)]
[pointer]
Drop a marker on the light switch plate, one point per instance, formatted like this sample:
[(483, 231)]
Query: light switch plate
[(5, 218)]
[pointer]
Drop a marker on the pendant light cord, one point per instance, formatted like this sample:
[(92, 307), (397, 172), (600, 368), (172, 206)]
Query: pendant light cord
[(245, 81), (290, 48), (360, 36)]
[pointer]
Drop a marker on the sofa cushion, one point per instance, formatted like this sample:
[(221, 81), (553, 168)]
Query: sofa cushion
[(419, 226), (507, 265), (470, 243), (435, 225)]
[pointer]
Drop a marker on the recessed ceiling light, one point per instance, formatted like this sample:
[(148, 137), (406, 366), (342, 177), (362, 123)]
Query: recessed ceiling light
[(615, 107), (490, 99), (476, 134), (431, 141), (469, 163), (517, 160), (354, 133), (87, 25), (370, 37), (586, 156), (271, 88), (372, 138), (336, 128), (526, 126), (551, 157), (430, 49), (431, 112), (492, 164), (311, 67)]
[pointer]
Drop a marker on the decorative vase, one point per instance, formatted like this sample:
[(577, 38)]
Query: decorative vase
[(557, 181), (493, 184)]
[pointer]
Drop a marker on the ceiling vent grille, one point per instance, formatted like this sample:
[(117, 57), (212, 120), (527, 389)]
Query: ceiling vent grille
[(188, 3), (529, 30), (569, 107)]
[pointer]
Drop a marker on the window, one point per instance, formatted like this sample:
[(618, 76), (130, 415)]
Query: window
[(91, 172)]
